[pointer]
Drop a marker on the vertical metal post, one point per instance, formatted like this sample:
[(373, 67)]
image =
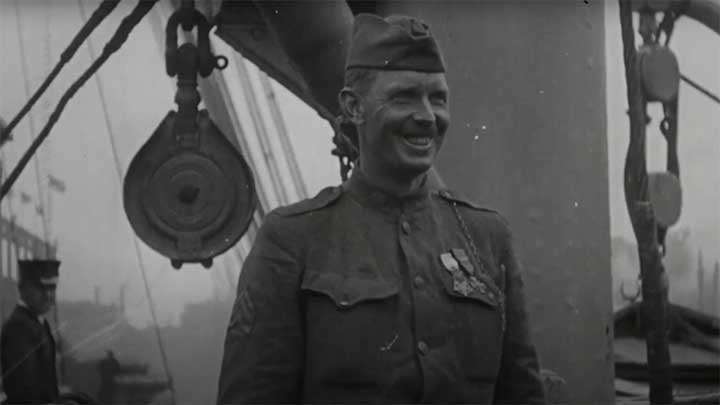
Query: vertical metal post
[(60, 344), (652, 273), (715, 286), (701, 281), (2, 246)]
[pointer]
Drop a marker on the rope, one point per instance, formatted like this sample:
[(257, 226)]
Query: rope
[(118, 170), (105, 8), (700, 88), (282, 135), (120, 36), (103, 102), (155, 322)]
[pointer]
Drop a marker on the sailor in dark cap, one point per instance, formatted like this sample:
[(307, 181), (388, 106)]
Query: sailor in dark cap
[(27, 346), (383, 289)]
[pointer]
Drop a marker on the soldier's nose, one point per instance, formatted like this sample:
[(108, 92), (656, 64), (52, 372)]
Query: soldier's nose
[(424, 114)]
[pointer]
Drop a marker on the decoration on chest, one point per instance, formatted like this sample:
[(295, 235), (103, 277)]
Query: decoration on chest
[(465, 281)]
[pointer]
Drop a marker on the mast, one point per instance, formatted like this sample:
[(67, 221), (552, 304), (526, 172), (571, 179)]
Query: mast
[(701, 281), (31, 120), (715, 287)]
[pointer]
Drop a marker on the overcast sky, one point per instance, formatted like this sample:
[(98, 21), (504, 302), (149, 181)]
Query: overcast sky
[(95, 238)]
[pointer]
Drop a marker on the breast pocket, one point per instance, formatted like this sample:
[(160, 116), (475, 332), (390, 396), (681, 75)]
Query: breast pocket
[(478, 322), (348, 320)]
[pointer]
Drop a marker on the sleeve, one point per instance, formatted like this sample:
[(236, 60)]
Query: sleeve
[(519, 380), (18, 363), (263, 357)]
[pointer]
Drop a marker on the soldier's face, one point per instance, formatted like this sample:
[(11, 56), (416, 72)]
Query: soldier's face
[(39, 298), (406, 115)]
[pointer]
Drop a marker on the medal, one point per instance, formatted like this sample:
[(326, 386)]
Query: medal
[(451, 265), (465, 263), (465, 281), (461, 283), (462, 287)]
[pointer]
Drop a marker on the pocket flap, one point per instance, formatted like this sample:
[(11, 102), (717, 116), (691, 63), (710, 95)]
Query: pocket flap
[(347, 291)]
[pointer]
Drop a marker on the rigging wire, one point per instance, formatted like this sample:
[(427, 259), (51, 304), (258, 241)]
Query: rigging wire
[(126, 26), (268, 155), (118, 169), (700, 88), (105, 8), (282, 135), (11, 217), (667, 25)]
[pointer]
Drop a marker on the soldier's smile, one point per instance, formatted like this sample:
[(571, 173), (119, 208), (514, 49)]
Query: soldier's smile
[(418, 142), (405, 117)]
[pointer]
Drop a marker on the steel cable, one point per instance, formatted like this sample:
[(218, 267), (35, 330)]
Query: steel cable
[(120, 36), (103, 10)]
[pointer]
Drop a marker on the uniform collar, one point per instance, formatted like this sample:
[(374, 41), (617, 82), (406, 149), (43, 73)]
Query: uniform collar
[(372, 196), (25, 306)]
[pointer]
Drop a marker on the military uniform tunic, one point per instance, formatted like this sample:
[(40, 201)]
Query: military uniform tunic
[(359, 296), (27, 359)]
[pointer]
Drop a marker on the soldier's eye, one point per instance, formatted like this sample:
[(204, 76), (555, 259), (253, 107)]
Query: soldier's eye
[(403, 96), (438, 99)]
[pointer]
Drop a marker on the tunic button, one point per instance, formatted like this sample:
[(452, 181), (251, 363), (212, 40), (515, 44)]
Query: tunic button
[(405, 227), (419, 282), (423, 348)]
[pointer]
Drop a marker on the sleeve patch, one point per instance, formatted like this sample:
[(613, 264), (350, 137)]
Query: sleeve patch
[(243, 315)]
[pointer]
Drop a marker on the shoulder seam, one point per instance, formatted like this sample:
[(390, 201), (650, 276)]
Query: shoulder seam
[(324, 198), (451, 197)]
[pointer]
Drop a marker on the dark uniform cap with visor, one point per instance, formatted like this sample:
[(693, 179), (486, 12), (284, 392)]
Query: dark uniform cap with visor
[(39, 272), (393, 43)]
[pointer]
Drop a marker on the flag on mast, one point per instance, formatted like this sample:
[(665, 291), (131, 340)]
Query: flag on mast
[(25, 197), (56, 184)]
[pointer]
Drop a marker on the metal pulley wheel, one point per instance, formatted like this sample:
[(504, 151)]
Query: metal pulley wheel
[(665, 195), (660, 73), (189, 197)]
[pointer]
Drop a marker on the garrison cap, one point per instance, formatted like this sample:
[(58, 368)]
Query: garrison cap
[(393, 43), (42, 272)]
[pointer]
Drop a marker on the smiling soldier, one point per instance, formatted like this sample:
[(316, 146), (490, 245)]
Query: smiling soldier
[(383, 290)]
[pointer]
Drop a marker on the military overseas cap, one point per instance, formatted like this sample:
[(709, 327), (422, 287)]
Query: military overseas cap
[(393, 43), (39, 272)]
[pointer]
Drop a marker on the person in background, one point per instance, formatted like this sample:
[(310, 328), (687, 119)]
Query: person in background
[(27, 345)]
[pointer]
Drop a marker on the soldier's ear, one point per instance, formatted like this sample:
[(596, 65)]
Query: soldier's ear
[(351, 105)]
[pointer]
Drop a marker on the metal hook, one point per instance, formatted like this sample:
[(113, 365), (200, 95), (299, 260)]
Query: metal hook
[(189, 18)]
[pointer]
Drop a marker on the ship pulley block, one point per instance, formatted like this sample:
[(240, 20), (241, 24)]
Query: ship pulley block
[(188, 192), (660, 72)]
